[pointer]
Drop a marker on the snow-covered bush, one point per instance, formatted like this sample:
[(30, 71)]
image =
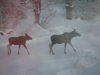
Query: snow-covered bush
[(47, 14)]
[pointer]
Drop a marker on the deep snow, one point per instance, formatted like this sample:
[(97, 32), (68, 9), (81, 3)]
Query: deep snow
[(40, 62)]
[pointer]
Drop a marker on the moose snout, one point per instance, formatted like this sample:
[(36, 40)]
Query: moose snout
[(79, 34), (30, 39)]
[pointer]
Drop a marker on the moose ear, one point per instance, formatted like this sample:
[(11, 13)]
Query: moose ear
[(74, 30), (25, 34)]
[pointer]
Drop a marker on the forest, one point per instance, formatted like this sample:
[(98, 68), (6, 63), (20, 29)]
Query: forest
[(12, 12)]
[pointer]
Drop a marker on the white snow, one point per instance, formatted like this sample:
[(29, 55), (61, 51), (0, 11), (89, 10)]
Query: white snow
[(40, 62)]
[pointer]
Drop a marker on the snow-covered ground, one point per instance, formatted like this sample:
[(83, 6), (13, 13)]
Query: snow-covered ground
[(40, 62)]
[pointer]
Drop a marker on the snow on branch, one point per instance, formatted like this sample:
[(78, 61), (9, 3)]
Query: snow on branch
[(46, 18)]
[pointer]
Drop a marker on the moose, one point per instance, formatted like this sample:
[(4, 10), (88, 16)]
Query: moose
[(21, 40), (63, 38)]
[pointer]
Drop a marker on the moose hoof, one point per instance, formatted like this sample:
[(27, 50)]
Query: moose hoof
[(28, 53), (53, 53), (65, 53), (49, 52)]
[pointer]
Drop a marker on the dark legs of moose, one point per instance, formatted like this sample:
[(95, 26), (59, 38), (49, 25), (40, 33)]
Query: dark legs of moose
[(26, 48), (72, 46), (9, 50), (51, 45), (65, 48), (19, 49)]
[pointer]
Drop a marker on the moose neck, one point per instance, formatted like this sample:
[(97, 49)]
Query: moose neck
[(72, 34), (25, 38)]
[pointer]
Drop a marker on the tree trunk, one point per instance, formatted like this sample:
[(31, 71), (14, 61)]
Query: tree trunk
[(37, 9), (69, 8)]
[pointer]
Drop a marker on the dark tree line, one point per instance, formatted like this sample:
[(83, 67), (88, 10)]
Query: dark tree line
[(10, 12), (3, 12), (84, 9)]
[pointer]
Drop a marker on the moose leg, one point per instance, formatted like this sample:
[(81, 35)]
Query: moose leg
[(26, 48), (8, 49), (50, 45), (65, 48), (50, 48), (72, 46), (19, 49)]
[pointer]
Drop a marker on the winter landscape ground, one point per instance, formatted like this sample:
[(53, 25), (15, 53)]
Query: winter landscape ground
[(85, 61)]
